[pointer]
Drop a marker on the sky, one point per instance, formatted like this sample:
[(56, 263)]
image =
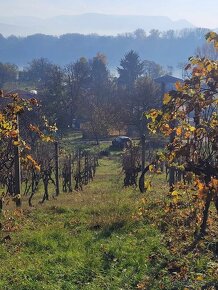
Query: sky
[(201, 13)]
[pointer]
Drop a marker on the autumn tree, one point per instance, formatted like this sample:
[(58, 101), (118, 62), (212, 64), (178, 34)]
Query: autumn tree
[(146, 96), (207, 50), (98, 119), (48, 79), (77, 78), (99, 72), (189, 118), (152, 69), (8, 73), (37, 72)]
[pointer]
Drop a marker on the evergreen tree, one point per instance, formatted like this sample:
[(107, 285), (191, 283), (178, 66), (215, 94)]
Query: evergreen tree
[(131, 68)]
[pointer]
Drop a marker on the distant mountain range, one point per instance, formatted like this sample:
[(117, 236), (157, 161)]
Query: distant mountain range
[(87, 23)]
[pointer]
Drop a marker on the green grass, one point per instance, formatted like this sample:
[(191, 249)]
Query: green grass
[(94, 239)]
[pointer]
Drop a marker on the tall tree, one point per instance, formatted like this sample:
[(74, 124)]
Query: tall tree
[(77, 79), (152, 69), (47, 78), (131, 67), (37, 72), (8, 73), (99, 74)]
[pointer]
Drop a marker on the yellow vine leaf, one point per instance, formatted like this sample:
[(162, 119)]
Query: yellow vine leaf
[(37, 167), (153, 114), (214, 183), (199, 277), (151, 168), (16, 143), (178, 86), (187, 135), (175, 193), (29, 157), (178, 131), (166, 99), (192, 129), (13, 133), (165, 128), (147, 185), (1, 117)]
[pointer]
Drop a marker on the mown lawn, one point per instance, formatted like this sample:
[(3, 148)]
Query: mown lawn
[(105, 237)]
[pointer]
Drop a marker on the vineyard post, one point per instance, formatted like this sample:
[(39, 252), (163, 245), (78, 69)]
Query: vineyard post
[(17, 168), (143, 151), (70, 173), (86, 167), (171, 169), (57, 168)]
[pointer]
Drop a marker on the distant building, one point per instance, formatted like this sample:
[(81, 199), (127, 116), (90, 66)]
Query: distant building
[(167, 82), (24, 93)]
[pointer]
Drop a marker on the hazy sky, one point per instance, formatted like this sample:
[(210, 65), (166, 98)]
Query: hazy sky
[(202, 13)]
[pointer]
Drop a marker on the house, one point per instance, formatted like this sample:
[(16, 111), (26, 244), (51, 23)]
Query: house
[(24, 93), (167, 82)]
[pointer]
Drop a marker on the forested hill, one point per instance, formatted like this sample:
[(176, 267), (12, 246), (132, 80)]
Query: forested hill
[(166, 48)]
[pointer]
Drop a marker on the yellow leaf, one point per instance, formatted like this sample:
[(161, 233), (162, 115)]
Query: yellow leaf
[(37, 167), (200, 277), (192, 129), (153, 114), (178, 86), (166, 130), (16, 143), (27, 147), (166, 99), (214, 183), (187, 134), (30, 158), (179, 131), (1, 117), (175, 193), (209, 67), (151, 168), (13, 133), (147, 185), (18, 109)]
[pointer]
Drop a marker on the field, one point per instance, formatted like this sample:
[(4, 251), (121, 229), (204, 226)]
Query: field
[(105, 237)]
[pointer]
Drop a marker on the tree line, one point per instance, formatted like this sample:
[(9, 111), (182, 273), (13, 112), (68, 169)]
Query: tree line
[(87, 92), (157, 46)]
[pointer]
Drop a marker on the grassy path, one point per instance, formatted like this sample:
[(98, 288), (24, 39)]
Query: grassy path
[(83, 240), (105, 237)]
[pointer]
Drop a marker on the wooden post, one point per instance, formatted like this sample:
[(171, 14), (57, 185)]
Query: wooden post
[(70, 173), (17, 171), (143, 151), (57, 168), (171, 169)]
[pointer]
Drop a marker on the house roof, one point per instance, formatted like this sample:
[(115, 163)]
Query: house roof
[(23, 94), (168, 79)]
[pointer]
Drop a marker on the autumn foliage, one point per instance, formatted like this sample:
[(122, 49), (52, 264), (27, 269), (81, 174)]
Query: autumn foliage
[(189, 120), (18, 137)]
